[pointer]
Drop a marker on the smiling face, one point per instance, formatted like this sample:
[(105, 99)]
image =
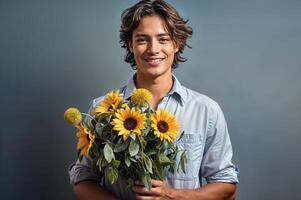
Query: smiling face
[(153, 48)]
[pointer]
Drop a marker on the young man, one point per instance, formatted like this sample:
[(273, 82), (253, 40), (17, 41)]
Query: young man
[(154, 36)]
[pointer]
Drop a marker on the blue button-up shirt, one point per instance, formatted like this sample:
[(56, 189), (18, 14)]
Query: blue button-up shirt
[(206, 141)]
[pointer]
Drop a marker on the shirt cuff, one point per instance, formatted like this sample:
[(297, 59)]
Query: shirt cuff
[(228, 175)]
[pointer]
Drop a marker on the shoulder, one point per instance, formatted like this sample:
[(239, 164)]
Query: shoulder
[(200, 100), (203, 107), (200, 105), (96, 101)]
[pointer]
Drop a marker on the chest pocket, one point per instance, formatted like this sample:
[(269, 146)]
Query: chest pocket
[(193, 145)]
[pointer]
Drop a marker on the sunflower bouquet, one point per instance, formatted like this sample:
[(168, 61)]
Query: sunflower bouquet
[(127, 138)]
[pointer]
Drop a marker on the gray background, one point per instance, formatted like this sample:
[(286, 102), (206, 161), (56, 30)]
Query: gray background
[(56, 54)]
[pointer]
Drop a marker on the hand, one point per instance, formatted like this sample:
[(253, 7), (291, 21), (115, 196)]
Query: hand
[(159, 191)]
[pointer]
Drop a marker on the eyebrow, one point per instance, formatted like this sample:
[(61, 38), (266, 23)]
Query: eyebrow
[(145, 35)]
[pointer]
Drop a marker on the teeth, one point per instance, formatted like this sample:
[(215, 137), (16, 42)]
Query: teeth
[(154, 61)]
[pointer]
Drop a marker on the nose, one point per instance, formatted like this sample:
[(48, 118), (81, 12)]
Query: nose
[(153, 47)]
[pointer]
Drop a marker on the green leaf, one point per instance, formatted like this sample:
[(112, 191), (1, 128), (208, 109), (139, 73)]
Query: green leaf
[(104, 163), (100, 117), (99, 162), (108, 153), (112, 174), (104, 118), (121, 145), (159, 168), (133, 136), (146, 179), (171, 169), (89, 123), (134, 147), (133, 159), (142, 142), (148, 164), (163, 158), (127, 160), (108, 118), (151, 152), (183, 161), (99, 128), (116, 163)]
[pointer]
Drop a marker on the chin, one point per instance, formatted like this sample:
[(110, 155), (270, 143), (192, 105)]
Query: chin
[(153, 71), (157, 73)]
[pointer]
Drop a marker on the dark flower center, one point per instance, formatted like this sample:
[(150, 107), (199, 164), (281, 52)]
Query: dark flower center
[(162, 126), (130, 123)]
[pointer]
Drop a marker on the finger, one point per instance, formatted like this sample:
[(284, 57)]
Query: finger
[(154, 183), (157, 183), (143, 197), (139, 183), (154, 191), (141, 190)]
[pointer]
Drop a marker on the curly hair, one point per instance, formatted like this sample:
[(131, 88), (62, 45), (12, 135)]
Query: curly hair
[(177, 27)]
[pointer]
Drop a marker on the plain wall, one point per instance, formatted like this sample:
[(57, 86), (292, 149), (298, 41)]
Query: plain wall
[(56, 54)]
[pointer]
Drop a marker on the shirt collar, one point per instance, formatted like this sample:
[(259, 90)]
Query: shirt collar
[(177, 89), (130, 87)]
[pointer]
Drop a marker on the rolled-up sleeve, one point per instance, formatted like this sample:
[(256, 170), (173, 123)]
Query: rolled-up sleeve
[(82, 170), (217, 163)]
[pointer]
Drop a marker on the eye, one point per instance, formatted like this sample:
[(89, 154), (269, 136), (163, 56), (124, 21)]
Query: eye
[(164, 40), (141, 40)]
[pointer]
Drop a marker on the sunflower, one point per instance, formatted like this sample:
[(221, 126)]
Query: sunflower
[(110, 103), (165, 125), (73, 116), (129, 120), (141, 96), (85, 139)]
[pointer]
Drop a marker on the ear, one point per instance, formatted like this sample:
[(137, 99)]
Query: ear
[(176, 47)]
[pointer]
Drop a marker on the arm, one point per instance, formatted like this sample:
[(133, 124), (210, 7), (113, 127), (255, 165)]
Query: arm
[(91, 190), (86, 182), (217, 163), (160, 190), (212, 191)]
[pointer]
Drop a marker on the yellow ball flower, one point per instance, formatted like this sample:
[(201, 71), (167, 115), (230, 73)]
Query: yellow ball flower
[(73, 116), (141, 96)]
